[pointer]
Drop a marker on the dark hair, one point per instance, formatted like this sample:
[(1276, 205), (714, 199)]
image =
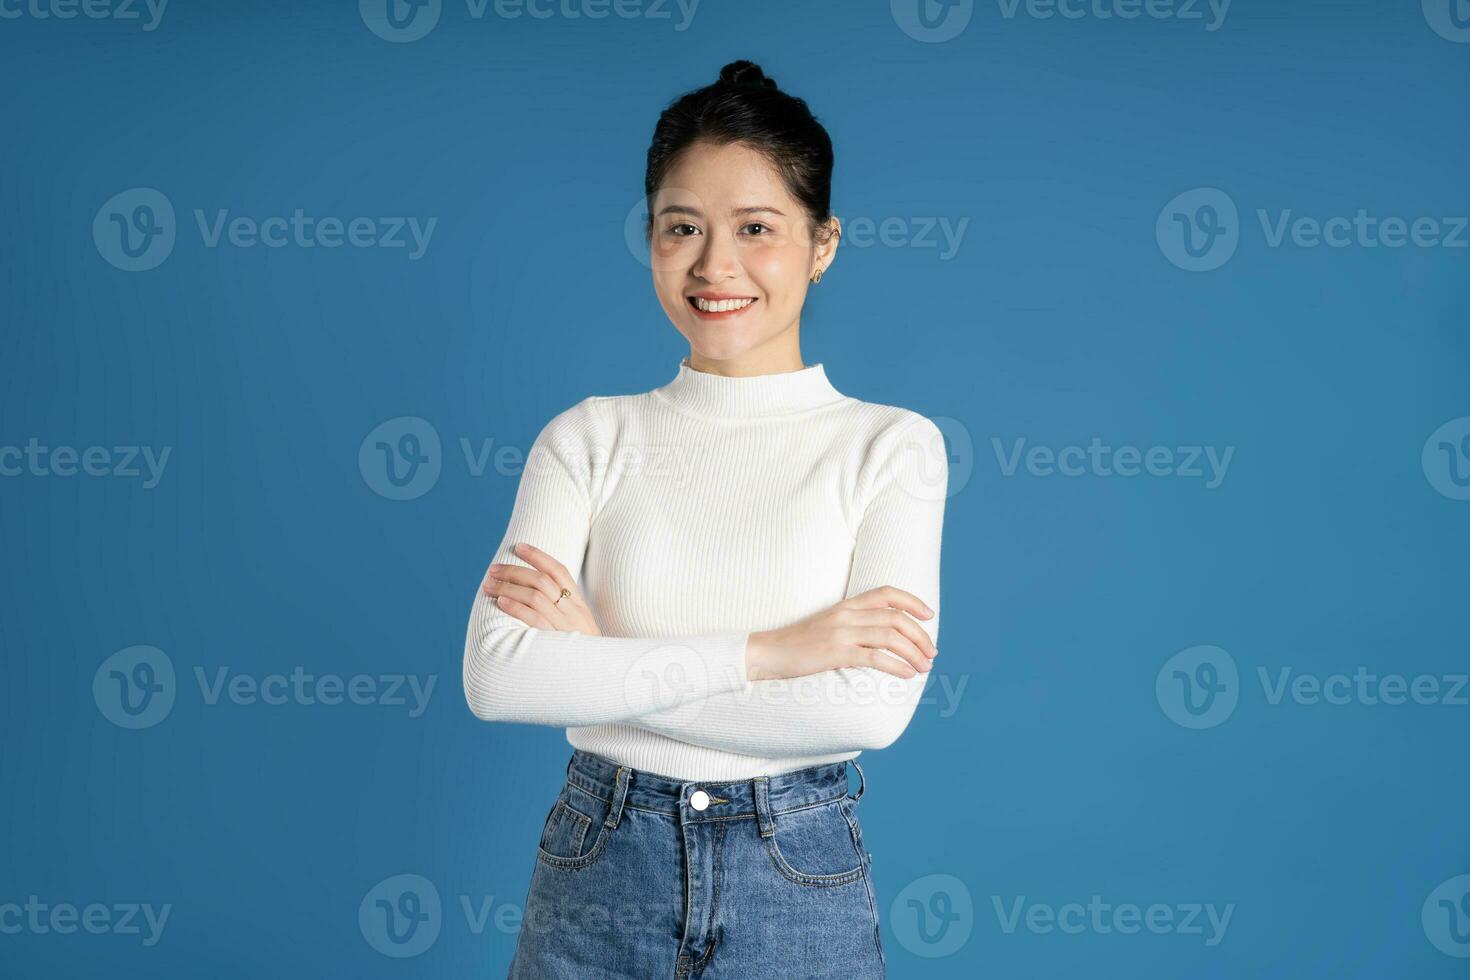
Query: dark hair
[(744, 106)]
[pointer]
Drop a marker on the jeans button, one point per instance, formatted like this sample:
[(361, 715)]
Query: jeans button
[(699, 799)]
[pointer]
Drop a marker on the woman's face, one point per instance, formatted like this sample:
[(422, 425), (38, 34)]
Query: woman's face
[(726, 229)]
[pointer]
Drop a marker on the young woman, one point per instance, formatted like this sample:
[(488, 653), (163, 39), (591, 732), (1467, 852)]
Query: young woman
[(724, 589)]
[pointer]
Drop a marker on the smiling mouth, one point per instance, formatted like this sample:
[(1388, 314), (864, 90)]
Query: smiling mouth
[(709, 307)]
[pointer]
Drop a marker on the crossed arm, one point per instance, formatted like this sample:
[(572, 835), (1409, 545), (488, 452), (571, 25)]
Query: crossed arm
[(515, 672)]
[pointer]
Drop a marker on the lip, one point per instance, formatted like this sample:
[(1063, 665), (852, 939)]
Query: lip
[(714, 297)]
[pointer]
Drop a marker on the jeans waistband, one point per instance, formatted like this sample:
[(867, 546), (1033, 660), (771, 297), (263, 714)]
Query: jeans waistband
[(759, 795)]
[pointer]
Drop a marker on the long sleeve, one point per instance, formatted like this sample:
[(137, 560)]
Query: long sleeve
[(515, 672), (905, 484)]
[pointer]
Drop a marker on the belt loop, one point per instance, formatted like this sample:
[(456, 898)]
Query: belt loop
[(763, 806), (862, 780), (620, 793)]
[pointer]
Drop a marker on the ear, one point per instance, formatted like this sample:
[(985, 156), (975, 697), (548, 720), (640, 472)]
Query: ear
[(827, 250)]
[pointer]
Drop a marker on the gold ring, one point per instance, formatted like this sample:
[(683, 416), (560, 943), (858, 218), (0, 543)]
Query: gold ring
[(564, 594)]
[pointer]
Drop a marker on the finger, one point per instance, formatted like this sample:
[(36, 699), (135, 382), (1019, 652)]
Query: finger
[(540, 560), (522, 612), (888, 663), (527, 596), (888, 595), (890, 639), (528, 577), (900, 621)]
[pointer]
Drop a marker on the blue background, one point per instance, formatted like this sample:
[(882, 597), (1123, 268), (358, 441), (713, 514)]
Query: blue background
[(1060, 318)]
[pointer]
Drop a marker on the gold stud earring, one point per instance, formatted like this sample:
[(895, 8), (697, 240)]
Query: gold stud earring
[(818, 277)]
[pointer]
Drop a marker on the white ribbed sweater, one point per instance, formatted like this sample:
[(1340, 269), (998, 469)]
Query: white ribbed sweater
[(693, 515)]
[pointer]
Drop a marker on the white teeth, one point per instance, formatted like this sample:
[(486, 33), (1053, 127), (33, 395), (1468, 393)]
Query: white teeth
[(723, 306)]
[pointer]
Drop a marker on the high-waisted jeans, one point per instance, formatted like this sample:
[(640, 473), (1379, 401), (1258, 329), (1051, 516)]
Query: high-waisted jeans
[(643, 876)]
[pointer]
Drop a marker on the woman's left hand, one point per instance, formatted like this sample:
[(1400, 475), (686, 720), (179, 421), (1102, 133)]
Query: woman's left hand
[(530, 594)]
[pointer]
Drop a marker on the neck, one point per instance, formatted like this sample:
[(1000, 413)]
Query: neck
[(749, 395), (777, 354)]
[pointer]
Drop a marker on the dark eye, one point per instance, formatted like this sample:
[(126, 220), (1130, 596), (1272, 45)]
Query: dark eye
[(683, 224), (757, 224)]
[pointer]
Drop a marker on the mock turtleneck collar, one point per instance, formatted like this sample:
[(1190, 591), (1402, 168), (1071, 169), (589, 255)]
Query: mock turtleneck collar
[(760, 395)]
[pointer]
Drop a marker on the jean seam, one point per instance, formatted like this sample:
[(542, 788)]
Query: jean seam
[(818, 880), (733, 816)]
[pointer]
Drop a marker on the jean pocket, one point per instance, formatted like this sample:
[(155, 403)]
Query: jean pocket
[(816, 845), (575, 832)]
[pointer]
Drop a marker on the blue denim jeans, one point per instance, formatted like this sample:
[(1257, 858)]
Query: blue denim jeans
[(642, 876)]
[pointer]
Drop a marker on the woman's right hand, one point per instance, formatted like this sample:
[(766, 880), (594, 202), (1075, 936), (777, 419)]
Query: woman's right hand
[(855, 632)]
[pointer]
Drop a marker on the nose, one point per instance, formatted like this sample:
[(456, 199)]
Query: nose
[(719, 260)]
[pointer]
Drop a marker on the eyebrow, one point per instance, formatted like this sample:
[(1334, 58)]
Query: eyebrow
[(685, 209)]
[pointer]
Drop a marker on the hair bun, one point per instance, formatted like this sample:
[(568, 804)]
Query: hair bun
[(746, 74)]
